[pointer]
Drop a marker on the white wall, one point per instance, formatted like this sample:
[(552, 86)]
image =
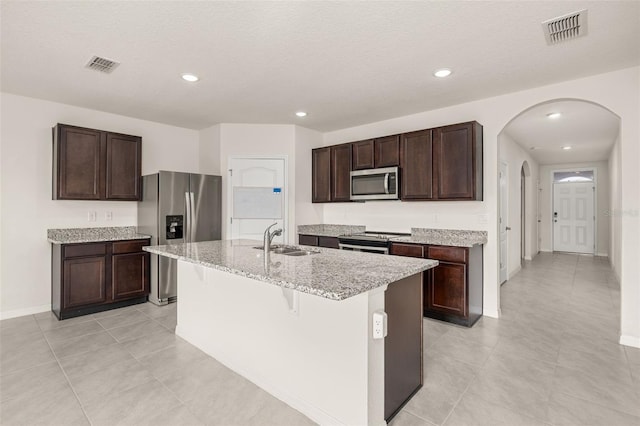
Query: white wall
[(27, 209), (258, 140), (617, 91), (601, 210), (615, 209), (305, 211), (513, 154), (209, 150)]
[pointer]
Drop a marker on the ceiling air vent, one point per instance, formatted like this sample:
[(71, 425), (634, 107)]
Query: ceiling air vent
[(566, 27), (102, 64)]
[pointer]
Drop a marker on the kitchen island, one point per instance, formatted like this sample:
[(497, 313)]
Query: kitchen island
[(301, 327)]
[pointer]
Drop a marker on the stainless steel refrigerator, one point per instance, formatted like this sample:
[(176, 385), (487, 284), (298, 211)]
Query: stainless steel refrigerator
[(177, 208)]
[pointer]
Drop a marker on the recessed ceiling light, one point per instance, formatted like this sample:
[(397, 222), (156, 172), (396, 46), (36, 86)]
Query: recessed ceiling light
[(444, 72), (553, 115), (566, 148), (301, 114), (191, 78)]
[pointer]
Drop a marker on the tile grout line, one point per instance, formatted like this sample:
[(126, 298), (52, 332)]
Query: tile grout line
[(67, 377)]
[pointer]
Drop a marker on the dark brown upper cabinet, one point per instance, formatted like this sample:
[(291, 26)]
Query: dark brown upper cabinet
[(330, 170), (387, 151), (340, 172), (374, 153), (443, 163), (363, 155), (90, 164), (417, 170), (321, 175), (457, 165)]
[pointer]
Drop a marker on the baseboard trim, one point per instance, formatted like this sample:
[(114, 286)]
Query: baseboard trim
[(632, 341), (492, 313), (25, 311), (602, 254)]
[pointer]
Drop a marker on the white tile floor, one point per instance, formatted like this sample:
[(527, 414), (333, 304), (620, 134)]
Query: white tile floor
[(552, 359)]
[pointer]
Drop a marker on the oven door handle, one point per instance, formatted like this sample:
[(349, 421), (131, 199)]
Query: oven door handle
[(384, 250)]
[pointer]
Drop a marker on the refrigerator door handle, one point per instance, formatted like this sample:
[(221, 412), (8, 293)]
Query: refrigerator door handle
[(192, 228), (187, 200)]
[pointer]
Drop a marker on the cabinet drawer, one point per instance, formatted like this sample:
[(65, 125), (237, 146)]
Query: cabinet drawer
[(410, 250), (446, 253), (133, 246), (329, 242), (308, 240), (88, 249)]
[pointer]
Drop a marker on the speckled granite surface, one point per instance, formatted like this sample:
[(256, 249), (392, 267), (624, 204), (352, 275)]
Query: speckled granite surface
[(329, 230), (90, 235), (333, 274), (444, 237)]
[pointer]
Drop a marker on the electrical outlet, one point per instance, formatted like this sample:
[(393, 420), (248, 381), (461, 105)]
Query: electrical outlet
[(91, 216), (379, 324), (108, 215)]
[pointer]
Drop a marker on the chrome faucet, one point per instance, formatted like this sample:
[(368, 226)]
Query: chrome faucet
[(268, 237)]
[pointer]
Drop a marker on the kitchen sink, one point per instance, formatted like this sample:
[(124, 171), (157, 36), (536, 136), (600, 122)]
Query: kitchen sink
[(300, 253), (288, 251)]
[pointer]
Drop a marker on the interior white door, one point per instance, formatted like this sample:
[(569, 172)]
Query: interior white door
[(504, 214), (257, 197), (573, 217)]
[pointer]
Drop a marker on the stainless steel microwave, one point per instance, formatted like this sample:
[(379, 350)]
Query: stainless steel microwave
[(375, 184)]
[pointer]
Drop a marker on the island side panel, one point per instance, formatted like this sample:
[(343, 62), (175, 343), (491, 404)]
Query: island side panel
[(403, 344), (321, 361)]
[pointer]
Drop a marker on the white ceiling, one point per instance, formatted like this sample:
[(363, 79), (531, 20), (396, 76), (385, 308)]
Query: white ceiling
[(590, 130), (346, 63)]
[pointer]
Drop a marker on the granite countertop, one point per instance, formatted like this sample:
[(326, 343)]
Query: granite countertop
[(444, 237), (91, 235), (326, 230), (333, 274)]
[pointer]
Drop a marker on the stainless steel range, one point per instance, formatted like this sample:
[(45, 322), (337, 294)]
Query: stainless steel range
[(371, 242)]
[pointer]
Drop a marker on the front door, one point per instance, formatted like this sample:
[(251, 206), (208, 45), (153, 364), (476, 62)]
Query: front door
[(257, 197), (573, 217)]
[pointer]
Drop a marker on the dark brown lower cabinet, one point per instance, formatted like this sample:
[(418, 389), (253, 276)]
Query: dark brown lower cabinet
[(94, 277), (318, 241), (453, 289)]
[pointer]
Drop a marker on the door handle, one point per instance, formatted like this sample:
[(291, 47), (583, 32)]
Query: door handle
[(187, 201), (386, 183), (508, 228)]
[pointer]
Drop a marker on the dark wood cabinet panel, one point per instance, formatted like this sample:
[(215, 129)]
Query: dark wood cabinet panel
[(84, 281), (123, 167), (408, 250), (77, 163), (328, 242), (403, 346), (307, 240), (453, 289), (90, 164), (457, 153), (321, 175), (447, 253), (363, 157), (387, 151), (130, 276), (416, 162), (446, 289), (89, 277), (340, 172)]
